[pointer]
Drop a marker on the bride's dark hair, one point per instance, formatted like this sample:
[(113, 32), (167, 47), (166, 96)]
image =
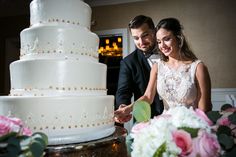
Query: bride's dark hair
[(173, 25)]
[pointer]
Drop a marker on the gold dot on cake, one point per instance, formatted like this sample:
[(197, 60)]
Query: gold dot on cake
[(93, 124), (87, 125), (54, 51), (62, 127), (46, 127), (63, 88), (57, 88), (54, 128), (77, 23), (81, 126), (50, 87), (42, 115), (98, 124), (29, 117), (76, 126), (63, 20), (71, 52), (48, 51), (73, 22), (69, 88), (40, 128), (57, 20), (35, 128), (75, 88), (69, 127)]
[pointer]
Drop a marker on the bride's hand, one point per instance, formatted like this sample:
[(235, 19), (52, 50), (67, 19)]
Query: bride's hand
[(123, 113)]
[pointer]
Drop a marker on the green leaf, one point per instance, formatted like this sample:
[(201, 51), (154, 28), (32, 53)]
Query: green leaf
[(36, 149), (5, 137), (41, 135), (225, 107), (232, 118), (223, 130), (129, 140), (142, 111), (13, 146), (230, 153), (226, 141), (160, 150), (213, 116), (192, 131)]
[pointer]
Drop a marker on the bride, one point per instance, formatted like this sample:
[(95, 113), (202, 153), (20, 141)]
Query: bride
[(179, 77)]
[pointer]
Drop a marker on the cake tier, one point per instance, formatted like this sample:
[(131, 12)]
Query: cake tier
[(64, 119), (74, 12), (47, 77), (55, 42)]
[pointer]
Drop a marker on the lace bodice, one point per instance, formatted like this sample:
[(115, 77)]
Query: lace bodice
[(177, 86)]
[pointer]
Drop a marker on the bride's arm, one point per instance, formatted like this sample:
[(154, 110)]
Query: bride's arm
[(152, 86), (204, 88), (149, 93)]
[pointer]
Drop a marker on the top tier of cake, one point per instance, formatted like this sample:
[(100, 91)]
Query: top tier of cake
[(60, 31), (74, 12)]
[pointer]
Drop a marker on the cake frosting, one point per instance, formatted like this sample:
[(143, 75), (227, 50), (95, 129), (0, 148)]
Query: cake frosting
[(58, 86)]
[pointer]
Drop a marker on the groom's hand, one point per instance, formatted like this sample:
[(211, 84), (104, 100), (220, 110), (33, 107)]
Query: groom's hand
[(123, 114)]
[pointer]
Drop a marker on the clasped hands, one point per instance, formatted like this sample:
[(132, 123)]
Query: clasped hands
[(123, 113)]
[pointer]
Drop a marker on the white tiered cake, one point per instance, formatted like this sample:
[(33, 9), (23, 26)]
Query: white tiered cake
[(58, 87)]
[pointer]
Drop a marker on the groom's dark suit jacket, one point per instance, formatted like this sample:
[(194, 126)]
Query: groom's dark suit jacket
[(133, 80)]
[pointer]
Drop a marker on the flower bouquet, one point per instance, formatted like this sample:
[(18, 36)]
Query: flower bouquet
[(178, 132), (225, 128), (17, 140)]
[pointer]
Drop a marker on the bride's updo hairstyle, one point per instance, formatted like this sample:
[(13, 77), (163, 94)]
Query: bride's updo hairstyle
[(173, 25)]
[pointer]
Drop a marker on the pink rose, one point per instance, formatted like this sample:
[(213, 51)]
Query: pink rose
[(183, 140), (137, 127), (26, 131), (16, 121), (5, 126), (203, 116), (232, 109), (224, 121), (205, 145)]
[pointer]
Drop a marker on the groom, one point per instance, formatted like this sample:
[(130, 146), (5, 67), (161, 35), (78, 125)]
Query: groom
[(135, 68)]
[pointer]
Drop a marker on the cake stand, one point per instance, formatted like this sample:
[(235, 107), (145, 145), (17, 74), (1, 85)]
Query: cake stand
[(111, 146)]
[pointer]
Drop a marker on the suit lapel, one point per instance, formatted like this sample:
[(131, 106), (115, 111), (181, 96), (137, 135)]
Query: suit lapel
[(144, 65)]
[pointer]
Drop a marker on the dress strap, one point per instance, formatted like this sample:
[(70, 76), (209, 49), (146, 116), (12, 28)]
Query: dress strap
[(194, 68)]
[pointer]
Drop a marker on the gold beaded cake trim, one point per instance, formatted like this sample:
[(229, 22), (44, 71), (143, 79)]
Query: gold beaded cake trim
[(61, 21), (90, 54), (71, 126), (82, 88)]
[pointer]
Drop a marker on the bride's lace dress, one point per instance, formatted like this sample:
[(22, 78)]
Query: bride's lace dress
[(177, 86)]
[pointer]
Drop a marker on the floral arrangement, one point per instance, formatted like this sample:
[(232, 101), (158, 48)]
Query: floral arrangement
[(225, 128), (17, 140), (178, 132)]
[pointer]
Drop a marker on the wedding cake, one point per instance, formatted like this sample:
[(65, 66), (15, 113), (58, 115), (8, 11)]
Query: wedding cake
[(58, 87)]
